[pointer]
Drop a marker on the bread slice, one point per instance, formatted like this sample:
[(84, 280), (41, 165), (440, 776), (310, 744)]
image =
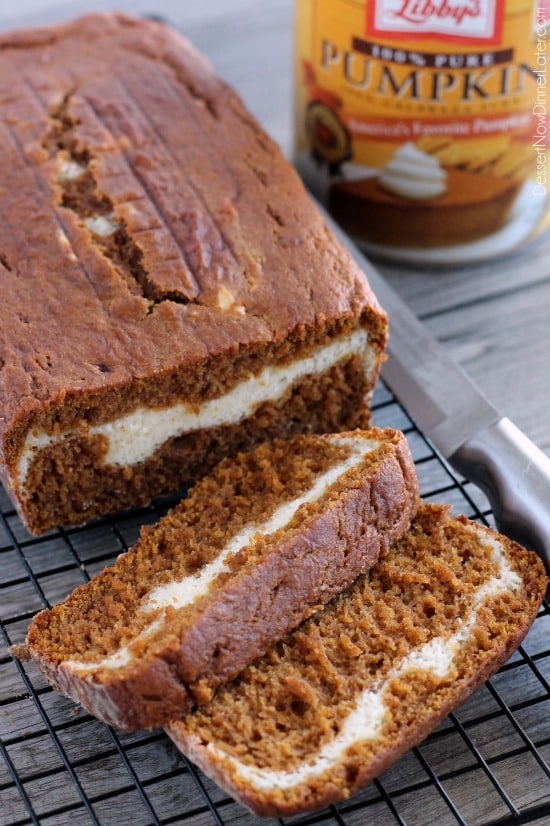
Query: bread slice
[(256, 548), (339, 699)]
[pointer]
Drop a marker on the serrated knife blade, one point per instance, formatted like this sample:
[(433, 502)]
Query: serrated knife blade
[(480, 443)]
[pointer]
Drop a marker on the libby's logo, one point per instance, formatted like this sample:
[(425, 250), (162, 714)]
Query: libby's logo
[(454, 20), (418, 12)]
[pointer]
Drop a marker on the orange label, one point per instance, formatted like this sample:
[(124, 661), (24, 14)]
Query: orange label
[(411, 103)]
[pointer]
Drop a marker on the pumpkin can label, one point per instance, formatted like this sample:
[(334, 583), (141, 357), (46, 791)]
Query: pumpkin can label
[(422, 123)]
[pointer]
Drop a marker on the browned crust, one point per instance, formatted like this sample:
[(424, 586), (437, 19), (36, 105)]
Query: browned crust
[(357, 771), (253, 610)]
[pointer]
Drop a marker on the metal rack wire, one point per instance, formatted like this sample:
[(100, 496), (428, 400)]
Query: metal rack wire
[(488, 763)]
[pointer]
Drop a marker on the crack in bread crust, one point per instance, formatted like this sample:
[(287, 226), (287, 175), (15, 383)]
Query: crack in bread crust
[(80, 192)]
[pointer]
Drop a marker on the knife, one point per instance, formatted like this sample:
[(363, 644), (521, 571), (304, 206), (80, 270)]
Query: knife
[(480, 443)]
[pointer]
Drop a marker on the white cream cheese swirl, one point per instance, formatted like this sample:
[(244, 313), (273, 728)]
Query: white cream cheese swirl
[(413, 174)]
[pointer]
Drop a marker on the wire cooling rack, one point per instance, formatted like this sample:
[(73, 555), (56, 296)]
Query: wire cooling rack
[(488, 763)]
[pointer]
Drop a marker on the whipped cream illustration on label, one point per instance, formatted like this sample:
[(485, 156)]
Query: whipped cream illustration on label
[(413, 174)]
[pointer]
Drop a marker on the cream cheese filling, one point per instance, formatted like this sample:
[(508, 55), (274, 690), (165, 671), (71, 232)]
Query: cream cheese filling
[(185, 591), (366, 720), (135, 437)]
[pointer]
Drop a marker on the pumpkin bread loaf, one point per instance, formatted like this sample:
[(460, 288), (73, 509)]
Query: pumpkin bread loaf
[(170, 295)]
